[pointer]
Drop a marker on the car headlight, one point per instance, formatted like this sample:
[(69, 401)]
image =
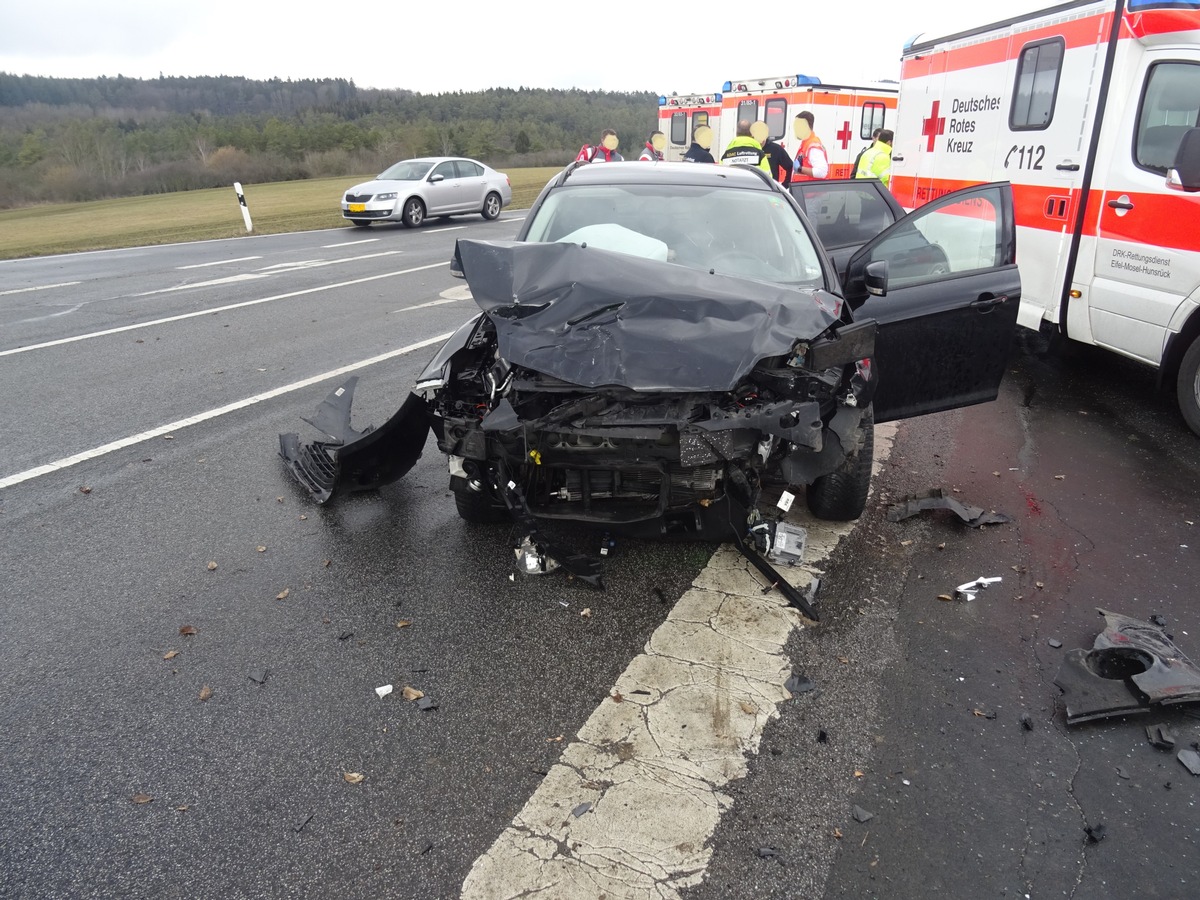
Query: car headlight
[(388, 196)]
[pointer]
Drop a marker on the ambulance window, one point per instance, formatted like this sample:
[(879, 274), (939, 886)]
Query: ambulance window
[(1170, 106), (776, 118), (872, 118), (1037, 85), (747, 111), (679, 129)]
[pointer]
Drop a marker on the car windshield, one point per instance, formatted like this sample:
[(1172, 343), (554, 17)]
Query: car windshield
[(745, 233), (409, 170)]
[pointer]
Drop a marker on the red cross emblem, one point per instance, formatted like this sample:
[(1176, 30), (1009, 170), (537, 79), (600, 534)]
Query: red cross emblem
[(844, 135), (933, 126)]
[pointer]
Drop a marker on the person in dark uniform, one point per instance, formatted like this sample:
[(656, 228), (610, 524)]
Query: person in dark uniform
[(781, 160), (701, 142)]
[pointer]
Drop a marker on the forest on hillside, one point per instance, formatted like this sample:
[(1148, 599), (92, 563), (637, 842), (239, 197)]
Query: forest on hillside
[(70, 139)]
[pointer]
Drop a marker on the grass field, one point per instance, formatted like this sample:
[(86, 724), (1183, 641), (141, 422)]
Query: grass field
[(198, 215)]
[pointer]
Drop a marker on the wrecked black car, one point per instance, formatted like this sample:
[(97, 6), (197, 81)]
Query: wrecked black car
[(662, 341)]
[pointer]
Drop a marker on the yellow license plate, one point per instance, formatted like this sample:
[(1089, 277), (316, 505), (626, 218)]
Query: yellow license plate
[(357, 207)]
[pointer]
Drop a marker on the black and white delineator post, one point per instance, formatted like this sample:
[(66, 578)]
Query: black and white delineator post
[(237, 186)]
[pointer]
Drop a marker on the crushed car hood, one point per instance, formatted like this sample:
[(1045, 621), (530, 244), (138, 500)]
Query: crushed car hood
[(595, 318)]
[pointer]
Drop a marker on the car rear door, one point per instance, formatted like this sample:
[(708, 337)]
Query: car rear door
[(947, 319)]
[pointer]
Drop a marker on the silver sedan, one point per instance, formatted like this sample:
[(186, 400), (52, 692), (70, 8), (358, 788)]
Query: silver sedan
[(411, 190)]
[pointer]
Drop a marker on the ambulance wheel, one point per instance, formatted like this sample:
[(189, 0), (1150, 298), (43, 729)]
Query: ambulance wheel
[(1188, 386), (841, 496), (492, 206), (414, 212), (476, 507)]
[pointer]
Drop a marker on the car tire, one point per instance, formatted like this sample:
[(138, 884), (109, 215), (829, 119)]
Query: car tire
[(476, 507), (841, 496), (1187, 386), (414, 212), (492, 204), (361, 223)]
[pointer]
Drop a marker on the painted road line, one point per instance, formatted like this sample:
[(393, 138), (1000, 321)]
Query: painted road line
[(40, 287), (216, 309), (179, 424), (630, 807), (276, 269), (349, 243), (444, 230), (219, 262)]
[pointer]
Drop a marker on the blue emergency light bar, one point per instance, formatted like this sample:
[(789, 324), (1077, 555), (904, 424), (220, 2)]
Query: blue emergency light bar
[(764, 84)]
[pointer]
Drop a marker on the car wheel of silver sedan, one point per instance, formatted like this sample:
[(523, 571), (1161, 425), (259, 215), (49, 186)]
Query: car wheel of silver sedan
[(414, 212), (492, 206)]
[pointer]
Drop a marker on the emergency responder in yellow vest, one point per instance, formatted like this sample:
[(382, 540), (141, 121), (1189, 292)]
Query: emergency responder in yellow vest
[(744, 150), (877, 161)]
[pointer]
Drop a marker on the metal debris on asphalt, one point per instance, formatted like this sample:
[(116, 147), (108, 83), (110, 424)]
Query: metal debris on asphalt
[(971, 588), (936, 499), (1132, 666), (1190, 760), (787, 544), (1161, 736)]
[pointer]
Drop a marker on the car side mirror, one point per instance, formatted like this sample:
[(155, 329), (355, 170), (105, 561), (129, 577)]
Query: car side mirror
[(875, 278), (434, 179), (1185, 174)]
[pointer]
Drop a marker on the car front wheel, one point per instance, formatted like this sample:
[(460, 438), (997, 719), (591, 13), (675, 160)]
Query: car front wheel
[(841, 495), (1188, 386), (414, 213), (492, 206), (476, 507)]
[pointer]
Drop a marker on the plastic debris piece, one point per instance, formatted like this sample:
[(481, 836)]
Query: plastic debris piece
[(786, 499), (258, 676), (383, 690), (300, 827), (798, 683), (426, 704), (1055, 643), (1161, 737), (788, 543), (1027, 721), (971, 588), (411, 693), (1122, 772), (937, 499), (345, 635), (581, 809), (1096, 833), (1160, 621), (607, 545), (767, 852), (1190, 760), (822, 736), (861, 815)]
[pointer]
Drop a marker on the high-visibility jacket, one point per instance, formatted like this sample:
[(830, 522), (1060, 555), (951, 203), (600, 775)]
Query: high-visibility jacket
[(876, 163), (745, 151), (804, 157)]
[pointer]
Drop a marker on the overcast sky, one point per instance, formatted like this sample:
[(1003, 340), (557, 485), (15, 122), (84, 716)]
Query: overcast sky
[(662, 46)]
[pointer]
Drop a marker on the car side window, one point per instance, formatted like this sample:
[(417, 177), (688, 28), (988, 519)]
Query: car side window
[(847, 215), (467, 169), (445, 169), (952, 238)]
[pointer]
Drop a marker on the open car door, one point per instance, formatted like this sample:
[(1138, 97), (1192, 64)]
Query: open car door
[(942, 283)]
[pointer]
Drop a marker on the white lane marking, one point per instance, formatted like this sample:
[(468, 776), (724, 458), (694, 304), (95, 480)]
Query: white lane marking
[(652, 767), (215, 309), (447, 228), (267, 272), (68, 461), (40, 287), (219, 262), (426, 305), (349, 243)]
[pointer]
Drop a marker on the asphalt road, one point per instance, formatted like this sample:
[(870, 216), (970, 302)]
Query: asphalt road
[(153, 384)]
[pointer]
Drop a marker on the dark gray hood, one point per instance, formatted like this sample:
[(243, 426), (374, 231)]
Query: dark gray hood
[(594, 318)]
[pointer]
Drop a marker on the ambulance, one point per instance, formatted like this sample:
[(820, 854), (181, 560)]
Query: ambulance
[(1091, 110), (679, 116), (844, 116)]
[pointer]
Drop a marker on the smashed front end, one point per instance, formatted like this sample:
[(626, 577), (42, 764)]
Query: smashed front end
[(640, 396)]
